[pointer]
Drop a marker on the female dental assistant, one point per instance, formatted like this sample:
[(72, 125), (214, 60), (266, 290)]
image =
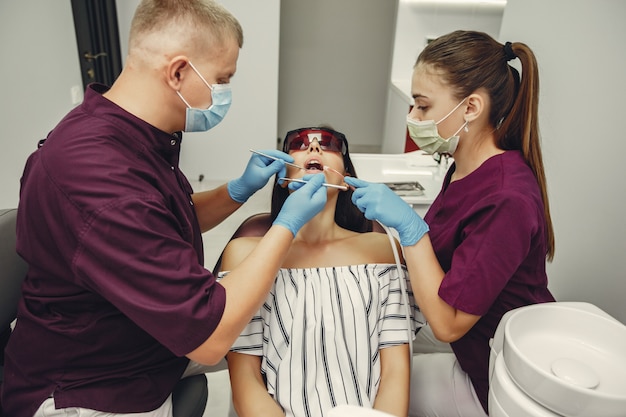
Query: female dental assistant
[(482, 247)]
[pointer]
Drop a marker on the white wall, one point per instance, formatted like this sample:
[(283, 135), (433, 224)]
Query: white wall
[(416, 22), (336, 63), (40, 66), (580, 51), (251, 121), (334, 67), (419, 20), (222, 153)]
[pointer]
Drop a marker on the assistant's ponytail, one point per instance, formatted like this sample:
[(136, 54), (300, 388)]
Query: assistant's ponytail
[(520, 128)]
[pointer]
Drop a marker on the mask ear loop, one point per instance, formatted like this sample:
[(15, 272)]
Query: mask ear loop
[(200, 75), (183, 99), (451, 111), (463, 127)]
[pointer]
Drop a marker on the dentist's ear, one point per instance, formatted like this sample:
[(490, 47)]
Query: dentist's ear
[(175, 71)]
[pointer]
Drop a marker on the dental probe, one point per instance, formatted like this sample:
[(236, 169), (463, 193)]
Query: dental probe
[(327, 168), (341, 187), (277, 159)]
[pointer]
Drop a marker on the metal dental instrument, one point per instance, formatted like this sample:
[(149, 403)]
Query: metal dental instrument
[(277, 159), (340, 187), (327, 168)]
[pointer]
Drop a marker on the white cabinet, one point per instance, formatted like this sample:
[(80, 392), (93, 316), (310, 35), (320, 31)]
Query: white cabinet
[(416, 23), (403, 168)]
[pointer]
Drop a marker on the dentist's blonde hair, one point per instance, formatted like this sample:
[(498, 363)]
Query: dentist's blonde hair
[(180, 26)]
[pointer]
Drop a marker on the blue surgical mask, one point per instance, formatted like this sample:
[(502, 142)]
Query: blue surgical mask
[(201, 120)]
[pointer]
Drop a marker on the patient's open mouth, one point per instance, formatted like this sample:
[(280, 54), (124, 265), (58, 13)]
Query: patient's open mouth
[(314, 165)]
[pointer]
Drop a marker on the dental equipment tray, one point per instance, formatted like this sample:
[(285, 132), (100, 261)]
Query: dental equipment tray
[(409, 188)]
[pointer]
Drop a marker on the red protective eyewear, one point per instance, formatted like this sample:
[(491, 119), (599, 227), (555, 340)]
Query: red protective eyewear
[(328, 139)]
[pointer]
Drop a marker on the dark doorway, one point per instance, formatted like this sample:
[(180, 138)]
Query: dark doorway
[(97, 37)]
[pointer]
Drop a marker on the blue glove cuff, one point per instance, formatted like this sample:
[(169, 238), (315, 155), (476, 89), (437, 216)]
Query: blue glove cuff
[(293, 228), (411, 234), (237, 192), (412, 228)]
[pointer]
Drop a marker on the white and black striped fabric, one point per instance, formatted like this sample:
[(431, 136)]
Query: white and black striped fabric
[(320, 332)]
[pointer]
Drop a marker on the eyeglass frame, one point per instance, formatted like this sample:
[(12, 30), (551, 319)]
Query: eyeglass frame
[(336, 135)]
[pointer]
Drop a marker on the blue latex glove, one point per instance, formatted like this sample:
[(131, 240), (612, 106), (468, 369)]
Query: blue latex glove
[(303, 204), (296, 185), (258, 171), (379, 202)]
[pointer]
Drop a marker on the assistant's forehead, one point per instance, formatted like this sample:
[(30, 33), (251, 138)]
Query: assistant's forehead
[(427, 79)]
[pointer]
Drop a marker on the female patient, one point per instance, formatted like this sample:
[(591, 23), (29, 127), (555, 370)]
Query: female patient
[(334, 328)]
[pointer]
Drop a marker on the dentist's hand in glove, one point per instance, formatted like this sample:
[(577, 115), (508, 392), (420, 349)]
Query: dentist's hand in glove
[(258, 171), (303, 204), (379, 202)]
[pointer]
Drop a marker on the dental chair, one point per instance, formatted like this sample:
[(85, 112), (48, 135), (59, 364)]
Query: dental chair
[(13, 270), (190, 394)]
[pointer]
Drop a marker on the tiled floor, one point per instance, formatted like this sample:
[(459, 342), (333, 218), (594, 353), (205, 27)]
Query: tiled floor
[(218, 404)]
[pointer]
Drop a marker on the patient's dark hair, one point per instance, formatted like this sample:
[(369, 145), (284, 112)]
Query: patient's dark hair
[(347, 215)]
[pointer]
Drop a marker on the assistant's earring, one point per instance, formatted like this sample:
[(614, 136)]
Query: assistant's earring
[(466, 127)]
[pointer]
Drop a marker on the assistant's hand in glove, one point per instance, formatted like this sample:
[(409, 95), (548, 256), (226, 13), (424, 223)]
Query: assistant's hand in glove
[(379, 202), (303, 204), (258, 171)]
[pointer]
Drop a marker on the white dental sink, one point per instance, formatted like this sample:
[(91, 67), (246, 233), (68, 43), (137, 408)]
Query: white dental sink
[(570, 360)]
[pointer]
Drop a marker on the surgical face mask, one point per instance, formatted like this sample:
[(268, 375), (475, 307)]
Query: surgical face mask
[(201, 120), (426, 136)]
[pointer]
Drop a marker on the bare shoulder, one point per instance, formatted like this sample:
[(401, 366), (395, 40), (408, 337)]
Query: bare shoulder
[(376, 247), (237, 250)]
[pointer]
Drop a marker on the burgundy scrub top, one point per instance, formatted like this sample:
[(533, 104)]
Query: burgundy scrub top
[(116, 293), (488, 231)]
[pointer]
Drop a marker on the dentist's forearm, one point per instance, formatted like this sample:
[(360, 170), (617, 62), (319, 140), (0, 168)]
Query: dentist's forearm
[(247, 286), (213, 207)]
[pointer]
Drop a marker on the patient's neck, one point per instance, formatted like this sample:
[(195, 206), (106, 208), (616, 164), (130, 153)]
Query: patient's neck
[(320, 229)]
